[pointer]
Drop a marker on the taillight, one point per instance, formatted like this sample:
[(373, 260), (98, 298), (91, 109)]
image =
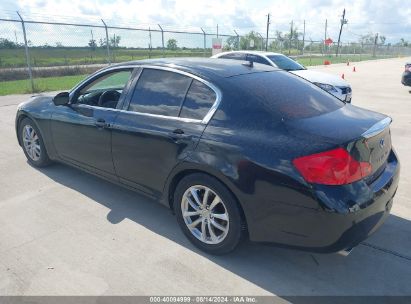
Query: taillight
[(334, 167), (408, 68)]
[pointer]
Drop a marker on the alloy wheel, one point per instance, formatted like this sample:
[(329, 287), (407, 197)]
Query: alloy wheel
[(31, 142), (205, 214)]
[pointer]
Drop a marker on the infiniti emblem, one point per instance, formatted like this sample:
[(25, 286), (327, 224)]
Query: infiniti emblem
[(382, 142)]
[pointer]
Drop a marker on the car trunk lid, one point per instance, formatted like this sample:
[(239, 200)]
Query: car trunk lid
[(364, 134)]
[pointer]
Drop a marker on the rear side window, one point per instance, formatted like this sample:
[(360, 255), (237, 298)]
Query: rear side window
[(198, 101), (159, 92), (282, 95), (236, 56), (257, 59)]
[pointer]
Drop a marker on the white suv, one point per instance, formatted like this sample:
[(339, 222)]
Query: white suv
[(332, 84)]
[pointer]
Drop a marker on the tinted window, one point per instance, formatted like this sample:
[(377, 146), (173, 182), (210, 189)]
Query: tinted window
[(257, 59), (282, 95), (198, 101), (159, 92), (236, 56), (285, 63), (115, 80)]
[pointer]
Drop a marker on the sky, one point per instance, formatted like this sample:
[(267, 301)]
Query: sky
[(389, 18)]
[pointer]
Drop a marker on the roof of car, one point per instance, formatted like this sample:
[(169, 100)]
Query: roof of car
[(203, 66), (253, 52)]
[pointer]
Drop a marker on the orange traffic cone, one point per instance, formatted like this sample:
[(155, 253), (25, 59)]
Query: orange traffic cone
[(342, 76), (353, 69)]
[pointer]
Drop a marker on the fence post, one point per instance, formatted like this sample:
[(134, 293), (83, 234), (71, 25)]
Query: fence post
[(375, 45), (150, 44), (26, 47), (162, 39), (262, 40), (204, 38), (107, 43), (238, 40)]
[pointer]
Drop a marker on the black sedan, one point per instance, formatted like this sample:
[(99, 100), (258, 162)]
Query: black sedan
[(234, 149), (406, 76)]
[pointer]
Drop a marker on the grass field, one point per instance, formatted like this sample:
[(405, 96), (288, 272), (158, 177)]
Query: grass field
[(67, 82), (41, 84), (41, 57), (80, 56)]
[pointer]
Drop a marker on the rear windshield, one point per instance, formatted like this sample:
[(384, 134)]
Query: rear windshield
[(283, 95)]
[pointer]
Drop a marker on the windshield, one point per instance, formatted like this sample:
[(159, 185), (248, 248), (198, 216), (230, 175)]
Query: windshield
[(285, 63)]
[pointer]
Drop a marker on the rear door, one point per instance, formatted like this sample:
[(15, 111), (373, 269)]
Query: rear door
[(159, 127)]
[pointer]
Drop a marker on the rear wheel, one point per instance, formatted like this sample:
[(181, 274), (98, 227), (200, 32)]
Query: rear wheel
[(208, 213), (32, 143)]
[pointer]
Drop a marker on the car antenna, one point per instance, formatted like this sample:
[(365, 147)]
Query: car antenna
[(249, 64)]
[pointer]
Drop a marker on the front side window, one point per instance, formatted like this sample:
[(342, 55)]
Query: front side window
[(198, 101), (159, 92), (105, 91)]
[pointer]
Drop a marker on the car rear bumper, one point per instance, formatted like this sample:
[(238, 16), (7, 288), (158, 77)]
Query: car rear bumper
[(349, 215)]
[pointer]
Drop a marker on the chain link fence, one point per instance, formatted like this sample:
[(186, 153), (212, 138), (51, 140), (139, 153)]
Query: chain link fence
[(33, 50)]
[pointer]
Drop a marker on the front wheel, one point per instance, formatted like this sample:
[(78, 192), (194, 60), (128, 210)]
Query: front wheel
[(33, 144), (208, 213)]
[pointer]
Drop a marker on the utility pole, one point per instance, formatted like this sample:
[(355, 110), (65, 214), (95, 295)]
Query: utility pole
[(303, 39), (291, 37), (343, 21), (266, 37)]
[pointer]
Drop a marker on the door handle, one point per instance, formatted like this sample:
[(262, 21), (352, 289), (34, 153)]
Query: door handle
[(101, 123), (178, 134)]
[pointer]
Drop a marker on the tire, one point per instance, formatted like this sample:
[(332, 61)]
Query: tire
[(225, 214), (33, 144)]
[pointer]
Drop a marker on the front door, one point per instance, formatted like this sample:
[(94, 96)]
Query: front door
[(82, 130)]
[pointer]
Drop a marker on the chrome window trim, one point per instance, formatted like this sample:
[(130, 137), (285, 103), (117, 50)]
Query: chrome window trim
[(205, 119), (138, 113), (377, 128), (101, 72)]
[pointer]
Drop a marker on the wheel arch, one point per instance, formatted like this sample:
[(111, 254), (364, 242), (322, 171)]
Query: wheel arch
[(21, 116), (179, 173)]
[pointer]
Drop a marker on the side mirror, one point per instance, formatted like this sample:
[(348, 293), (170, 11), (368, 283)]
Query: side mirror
[(61, 99)]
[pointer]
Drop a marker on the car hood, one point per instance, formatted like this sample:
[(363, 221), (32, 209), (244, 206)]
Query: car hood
[(314, 76)]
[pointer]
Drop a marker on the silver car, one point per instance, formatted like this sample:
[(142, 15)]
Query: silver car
[(332, 84)]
